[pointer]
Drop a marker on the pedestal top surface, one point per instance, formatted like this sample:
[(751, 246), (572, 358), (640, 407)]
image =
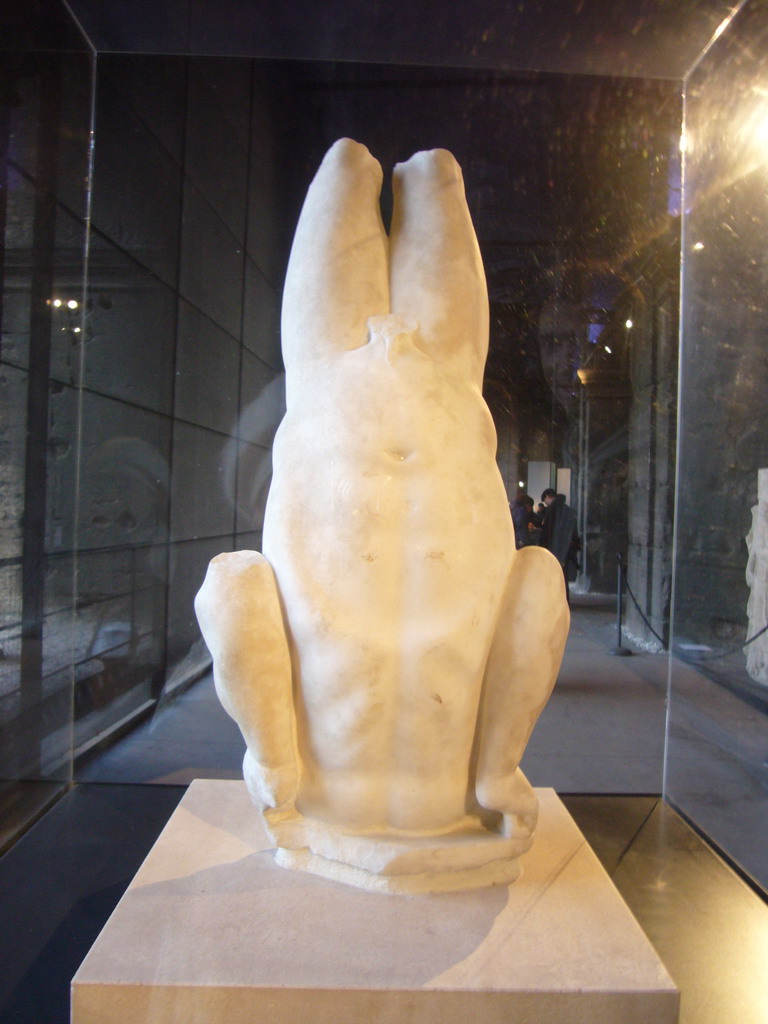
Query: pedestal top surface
[(210, 906)]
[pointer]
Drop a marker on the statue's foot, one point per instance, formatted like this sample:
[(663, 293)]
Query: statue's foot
[(515, 798)]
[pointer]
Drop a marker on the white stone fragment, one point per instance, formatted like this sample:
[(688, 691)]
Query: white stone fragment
[(757, 580), (389, 654)]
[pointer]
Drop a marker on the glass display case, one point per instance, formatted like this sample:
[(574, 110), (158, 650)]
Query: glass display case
[(716, 768), (149, 207), (47, 85)]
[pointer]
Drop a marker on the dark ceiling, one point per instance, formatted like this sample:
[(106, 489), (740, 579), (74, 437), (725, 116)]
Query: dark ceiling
[(626, 38)]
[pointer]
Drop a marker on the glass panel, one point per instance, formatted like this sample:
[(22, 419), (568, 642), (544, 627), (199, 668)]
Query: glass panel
[(169, 368), (573, 184), (169, 374), (603, 37), (44, 155), (718, 729)]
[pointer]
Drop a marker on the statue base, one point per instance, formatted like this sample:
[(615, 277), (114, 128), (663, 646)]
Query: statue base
[(471, 857), (212, 929), (498, 872)]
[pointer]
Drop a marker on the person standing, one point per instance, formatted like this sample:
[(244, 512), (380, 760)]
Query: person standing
[(525, 521), (558, 532)]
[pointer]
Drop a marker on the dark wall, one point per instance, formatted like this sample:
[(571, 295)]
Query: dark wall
[(652, 440), (717, 727), (723, 412), (634, 38), (723, 417), (181, 379), (45, 101)]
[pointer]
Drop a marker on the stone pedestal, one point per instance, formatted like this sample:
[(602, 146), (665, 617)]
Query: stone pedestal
[(212, 930)]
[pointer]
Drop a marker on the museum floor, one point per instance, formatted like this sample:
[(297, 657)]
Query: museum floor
[(62, 879)]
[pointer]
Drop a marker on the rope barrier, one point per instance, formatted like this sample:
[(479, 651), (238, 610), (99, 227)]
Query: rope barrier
[(642, 614), (687, 656), (620, 650), (714, 655)]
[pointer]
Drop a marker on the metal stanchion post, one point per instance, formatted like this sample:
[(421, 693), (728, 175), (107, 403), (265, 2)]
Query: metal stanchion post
[(619, 651)]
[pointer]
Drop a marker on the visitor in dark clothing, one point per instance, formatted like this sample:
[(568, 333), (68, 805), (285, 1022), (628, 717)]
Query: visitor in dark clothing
[(559, 534), (523, 517)]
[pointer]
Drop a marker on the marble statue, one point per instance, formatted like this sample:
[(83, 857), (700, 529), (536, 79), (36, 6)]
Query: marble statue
[(387, 656), (757, 580)]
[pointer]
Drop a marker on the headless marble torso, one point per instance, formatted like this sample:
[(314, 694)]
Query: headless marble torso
[(393, 573)]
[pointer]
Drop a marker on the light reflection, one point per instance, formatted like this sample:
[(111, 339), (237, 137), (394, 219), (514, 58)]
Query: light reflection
[(751, 132), (760, 130), (722, 27)]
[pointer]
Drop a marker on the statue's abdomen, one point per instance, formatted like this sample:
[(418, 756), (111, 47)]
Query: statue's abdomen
[(391, 574)]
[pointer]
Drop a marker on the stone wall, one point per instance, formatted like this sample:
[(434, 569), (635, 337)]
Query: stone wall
[(181, 377), (44, 141), (724, 417), (652, 440), (145, 383)]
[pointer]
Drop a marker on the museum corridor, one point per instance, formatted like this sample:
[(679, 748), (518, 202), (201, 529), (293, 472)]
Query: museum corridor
[(154, 159)]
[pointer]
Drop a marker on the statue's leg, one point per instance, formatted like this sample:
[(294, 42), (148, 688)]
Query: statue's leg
[(239, 612), (522, 668), (337, 275), (436, 271)]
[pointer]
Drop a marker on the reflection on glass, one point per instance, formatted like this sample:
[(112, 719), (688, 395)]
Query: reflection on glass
[(718, 729), (574, 188), (44, 140)]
